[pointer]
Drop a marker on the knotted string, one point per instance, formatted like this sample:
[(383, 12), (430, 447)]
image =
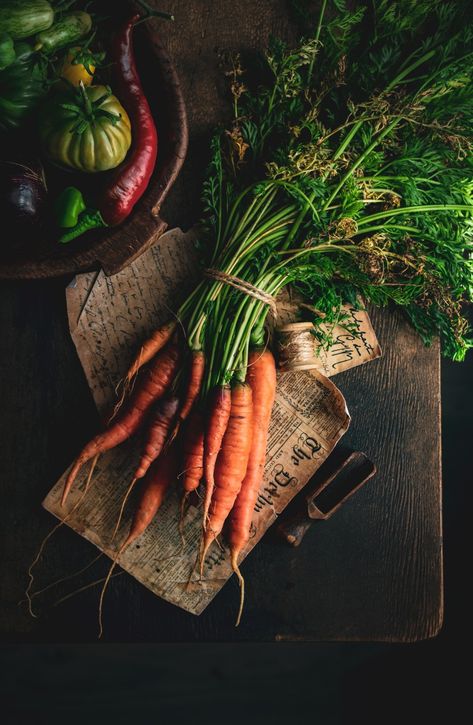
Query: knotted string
[(245, 287)]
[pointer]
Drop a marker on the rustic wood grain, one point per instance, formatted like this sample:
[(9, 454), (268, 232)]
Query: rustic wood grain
[(373, 572)]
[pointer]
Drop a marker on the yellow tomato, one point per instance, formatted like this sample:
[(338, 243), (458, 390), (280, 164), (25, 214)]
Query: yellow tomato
[(77, 67)]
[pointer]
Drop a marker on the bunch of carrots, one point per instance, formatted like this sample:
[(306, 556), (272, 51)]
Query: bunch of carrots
[(220, 440)]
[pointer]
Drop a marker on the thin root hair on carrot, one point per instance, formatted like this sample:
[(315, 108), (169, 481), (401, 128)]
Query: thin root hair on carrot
[(182, 515), (241, 582), (122, 507), (49, 535), (118, 404), (33, 564), (178, 320), (84, 588), (105, 585), (194, 568), (63, 579), (126, 384)]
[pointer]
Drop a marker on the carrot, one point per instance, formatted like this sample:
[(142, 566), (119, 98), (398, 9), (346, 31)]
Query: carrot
[(155, 486), (196, 374), (217, 421), (157, 431), (150, 348), (156, 483), (193, 450), (261, 377), (231, 464), (151, 387), (193, 464)]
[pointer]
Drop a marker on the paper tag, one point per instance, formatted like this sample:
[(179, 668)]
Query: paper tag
[(349, 349)]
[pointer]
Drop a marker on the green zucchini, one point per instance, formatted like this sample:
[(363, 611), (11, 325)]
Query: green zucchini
[(69, 29), (22, 18), (7, 50)]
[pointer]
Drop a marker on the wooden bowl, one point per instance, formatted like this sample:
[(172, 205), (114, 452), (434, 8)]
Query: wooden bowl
[(114, 248)]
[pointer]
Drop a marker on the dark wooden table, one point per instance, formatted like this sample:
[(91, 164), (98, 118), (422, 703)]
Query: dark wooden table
[(374, 572)]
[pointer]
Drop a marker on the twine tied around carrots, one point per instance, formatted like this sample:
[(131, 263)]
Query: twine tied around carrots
[(243, 286)]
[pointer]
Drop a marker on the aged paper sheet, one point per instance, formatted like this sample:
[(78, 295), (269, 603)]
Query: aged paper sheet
[(109, 317)]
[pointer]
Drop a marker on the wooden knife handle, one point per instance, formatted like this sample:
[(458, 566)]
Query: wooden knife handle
[(354, 470)]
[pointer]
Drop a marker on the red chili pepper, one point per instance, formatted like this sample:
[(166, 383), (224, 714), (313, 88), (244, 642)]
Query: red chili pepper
[(129, 181)]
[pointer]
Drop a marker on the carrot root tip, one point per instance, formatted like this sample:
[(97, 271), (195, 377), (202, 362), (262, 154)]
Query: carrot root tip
[(182, 515), (122, 507), (48, 536), (105, 584), (203, 554), (241, 581), (73, 474)]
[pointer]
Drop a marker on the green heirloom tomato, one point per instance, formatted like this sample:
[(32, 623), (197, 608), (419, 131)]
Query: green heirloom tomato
[(86, 129)]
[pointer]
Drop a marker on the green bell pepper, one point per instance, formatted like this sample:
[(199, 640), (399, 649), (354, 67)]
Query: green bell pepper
[(68, 207), (72, 214)]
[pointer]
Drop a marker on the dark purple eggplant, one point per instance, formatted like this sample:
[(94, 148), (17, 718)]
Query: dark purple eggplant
[(23, 197)]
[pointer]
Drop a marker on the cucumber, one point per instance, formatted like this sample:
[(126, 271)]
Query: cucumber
[(21, 18), (7, 50), (68, 29)]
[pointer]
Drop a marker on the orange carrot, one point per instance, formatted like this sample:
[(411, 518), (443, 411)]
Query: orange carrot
[(193, 465), (261, 377), (156, 484), (157, 431), (217, 421), (231, 464), (151, 387), (193, 450), (150, 348), (195, 381)]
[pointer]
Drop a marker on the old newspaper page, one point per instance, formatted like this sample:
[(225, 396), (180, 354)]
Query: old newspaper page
[(109, 317)]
